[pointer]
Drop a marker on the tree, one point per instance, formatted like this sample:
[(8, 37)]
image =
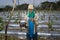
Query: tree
[(22, 7), (8, 7), (58, 4), (48, 5), (44, 4)]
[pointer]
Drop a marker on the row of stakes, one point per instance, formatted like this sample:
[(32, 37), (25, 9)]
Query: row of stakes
[(49, 24), (42, 18)]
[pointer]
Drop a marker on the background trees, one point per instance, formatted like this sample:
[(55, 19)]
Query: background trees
[(44, 6)]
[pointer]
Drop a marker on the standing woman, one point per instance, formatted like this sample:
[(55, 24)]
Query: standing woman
[(31, 18)]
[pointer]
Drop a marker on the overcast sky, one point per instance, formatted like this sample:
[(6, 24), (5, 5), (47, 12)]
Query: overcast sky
[(36, 2)]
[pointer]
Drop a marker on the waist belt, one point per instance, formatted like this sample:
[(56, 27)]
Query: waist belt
[(32, 19)]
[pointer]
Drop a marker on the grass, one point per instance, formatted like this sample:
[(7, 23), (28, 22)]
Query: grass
[(2, 37), (12, 37)]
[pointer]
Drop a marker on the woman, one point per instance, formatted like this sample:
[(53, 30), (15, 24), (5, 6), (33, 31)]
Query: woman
[(31, 14), (31, 18)]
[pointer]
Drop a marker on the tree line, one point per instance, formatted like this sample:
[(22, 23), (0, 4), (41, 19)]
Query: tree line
[(49, 5), (43, 6), (18, 7)]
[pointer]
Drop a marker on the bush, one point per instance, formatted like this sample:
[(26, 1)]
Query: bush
[(1, 20), (50, 26), (1, 28)]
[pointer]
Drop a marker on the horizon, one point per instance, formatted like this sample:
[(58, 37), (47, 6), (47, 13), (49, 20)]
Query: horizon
[(36, 2)]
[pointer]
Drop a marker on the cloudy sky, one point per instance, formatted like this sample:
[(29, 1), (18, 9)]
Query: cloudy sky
[(36, 2)]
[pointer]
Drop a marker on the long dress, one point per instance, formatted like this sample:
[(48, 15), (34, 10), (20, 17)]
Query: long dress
[(31, 23), (30, 28)]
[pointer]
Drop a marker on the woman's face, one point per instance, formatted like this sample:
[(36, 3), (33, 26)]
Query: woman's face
[(30, 10)]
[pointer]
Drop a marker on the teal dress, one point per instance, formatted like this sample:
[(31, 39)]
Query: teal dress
[(31, 14), (31, 24)]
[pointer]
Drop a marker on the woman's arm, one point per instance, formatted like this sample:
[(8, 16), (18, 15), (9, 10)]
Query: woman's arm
[(36, 17)]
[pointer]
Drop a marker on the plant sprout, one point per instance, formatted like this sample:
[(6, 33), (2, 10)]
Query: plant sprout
[(50, 23)]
